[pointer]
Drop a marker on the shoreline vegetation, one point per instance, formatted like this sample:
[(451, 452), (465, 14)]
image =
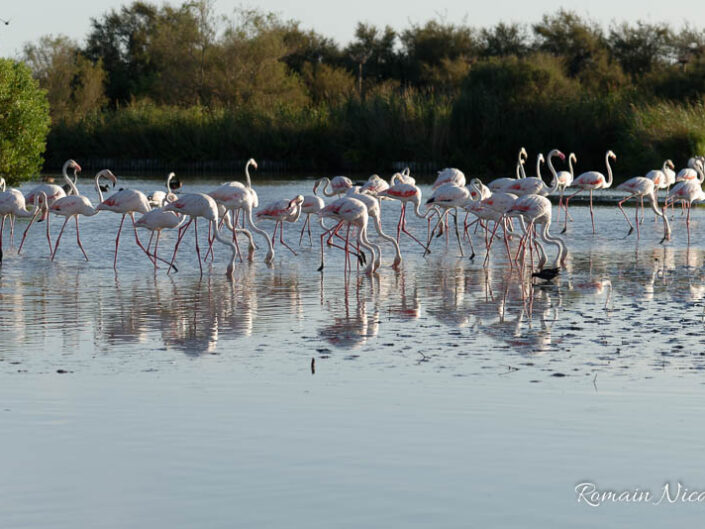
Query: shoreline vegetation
[(179, 87)]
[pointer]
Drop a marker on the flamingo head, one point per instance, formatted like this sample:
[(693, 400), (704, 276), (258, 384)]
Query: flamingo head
[(107, 174), (522, 153), (612, 155), (573, 157), (541, 159), (559, 154), (669, 163), (252, 162), (296, 201), (73, 164)]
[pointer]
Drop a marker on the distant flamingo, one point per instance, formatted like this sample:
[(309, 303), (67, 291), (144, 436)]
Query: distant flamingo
[(687, 192), (640, 187), (591, 181), (159, 197), (75, 205), (7, 211), (312, 205), (282, 211), (405, 193), (450, 175), (339, 185), (565, 180), (536, 210), (157, 220), (52, 192), (374, 212), (374, 185), (535, 185), (353, 212), (12, 202), (126, 202), (449, 197), (499, 184), (197, 205), (235, 198)]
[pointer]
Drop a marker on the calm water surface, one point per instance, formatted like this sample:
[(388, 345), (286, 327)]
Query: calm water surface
[(441, 395)]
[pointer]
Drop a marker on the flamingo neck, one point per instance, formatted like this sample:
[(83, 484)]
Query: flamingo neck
[(364, 242), (71, 183), (97, 188), (417, 207), (247, 174), (609, 171), (570, 165), (554, 183), (539, 160), (261, 232)]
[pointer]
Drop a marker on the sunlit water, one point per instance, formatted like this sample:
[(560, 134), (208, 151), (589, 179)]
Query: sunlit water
[(441, 395)]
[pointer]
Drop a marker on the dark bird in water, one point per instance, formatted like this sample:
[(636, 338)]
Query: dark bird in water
[(547, 274)]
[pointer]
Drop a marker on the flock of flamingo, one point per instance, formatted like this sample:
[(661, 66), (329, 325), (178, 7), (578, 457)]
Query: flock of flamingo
[(235, 206)]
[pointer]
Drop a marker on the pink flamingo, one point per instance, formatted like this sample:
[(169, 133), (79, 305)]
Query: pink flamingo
[(158, 198), (591, 181), (493, 208), (374, 212), (339, 185), (8, 209), (127, 202), (52, 192), (197, 205), (641, 187), (281, 211), (405, 193), (312, 205), (353, 212), (374, 185), (12, 202), (449, 197), (535, 185), (450, 175), (686, 192), (75, 205), (157, 220), (499, 184), (564, 180), (537, 211)]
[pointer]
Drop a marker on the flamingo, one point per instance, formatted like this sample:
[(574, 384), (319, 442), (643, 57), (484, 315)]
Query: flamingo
[(8, 210), (280, 211), (75, 205), (535, 185), (641, 187), (687, 192), (406, 178), (493, 208), (691, 172), (354, 212), (374, 185), (592, 180), (197, 205), (12, 202), (660, 176), (52, 192), (126, 202), (404, 193), (374, 212), (498, 184), (158, 198), (449, 197), (450, 175), (536, 209), (311, 205), (339, 185), (157, 220), (565, 180)]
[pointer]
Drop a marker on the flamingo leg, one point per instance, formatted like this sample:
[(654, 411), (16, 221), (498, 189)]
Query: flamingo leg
[(274, 233), (12, 231), (182, 232), (117, 243), (567, 199), (2, 229), (636, 217), (301, 238), (619, 205), (156, 249), (78, 240), (592, 214), (281, 238), (149, 243), (198, 249), (457, 236), (308, 228), (401, 219), (137, 238), (58, 239), (24, 235)]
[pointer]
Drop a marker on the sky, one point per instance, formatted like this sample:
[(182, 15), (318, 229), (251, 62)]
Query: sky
[(30, 19)]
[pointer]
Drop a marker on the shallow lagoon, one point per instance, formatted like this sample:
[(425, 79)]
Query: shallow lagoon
[(440, 395)]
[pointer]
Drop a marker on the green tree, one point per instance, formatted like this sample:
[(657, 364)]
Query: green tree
[(640, 48), (503, 40), (24, 122), (73, 83)]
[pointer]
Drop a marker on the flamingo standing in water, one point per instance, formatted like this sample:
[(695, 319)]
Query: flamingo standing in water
[(687, 192), (281, 211), (8, 209), (157, 220), (404, 193), (52, 192), (127, 202), (374, 212), (374, 185), (75, 205), (450, 175), (537, 211), (564, 180), (158, 198), (591, 181), (640, 187), (499, 184), (195, 205), (12, 202), (449, 197), (535, 185), (354, 212), (312, 205), (339, 185)]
